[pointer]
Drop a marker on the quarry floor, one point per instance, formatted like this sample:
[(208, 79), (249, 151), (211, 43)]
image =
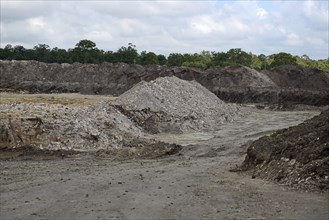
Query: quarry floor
[(194, 184)]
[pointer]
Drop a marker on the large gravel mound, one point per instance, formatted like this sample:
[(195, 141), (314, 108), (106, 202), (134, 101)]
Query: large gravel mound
[(297, 156), (170, 104)]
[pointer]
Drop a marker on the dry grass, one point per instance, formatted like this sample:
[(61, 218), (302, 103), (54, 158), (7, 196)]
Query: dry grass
[(68, 99)]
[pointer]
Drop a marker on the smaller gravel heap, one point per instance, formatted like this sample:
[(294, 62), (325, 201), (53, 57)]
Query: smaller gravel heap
[(29, 130)]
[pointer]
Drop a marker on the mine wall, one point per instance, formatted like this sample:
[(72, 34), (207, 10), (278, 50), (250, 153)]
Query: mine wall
[(283, 86)]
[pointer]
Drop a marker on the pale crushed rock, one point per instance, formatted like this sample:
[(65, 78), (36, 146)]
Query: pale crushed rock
[(188, 105), (58, 127)]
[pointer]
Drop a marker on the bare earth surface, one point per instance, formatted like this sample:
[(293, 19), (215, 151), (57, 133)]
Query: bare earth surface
[(194, 184)]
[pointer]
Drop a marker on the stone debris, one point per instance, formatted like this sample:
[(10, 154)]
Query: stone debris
[(170, 104), (167, 104), (58, 127)]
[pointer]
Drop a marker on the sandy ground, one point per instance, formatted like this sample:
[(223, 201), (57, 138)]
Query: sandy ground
[(195, 184)]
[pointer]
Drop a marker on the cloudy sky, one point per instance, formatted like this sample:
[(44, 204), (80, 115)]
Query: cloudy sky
[(298, 27)]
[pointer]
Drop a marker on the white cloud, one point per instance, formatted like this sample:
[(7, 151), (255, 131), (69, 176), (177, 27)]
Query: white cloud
[(170, 26), (206, 25), (36, 24), (316, 12), (262, 13), (294, 40), (18, 10)]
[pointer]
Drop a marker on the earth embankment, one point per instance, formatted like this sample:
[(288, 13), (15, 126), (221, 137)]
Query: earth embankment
[(284, 86), (297, 156)]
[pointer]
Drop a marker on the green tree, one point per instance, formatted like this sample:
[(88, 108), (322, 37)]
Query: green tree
[(42, 52), (109, 56), (219, 59), (19, 53), (175, 59), (237, 56), (148, 58), (58, 56), (7, 52), (264, 61), (305, 61), (283, 59), (322, 64), (200, 61), (127, 54), (162, 59), (85, 45), (256, 63), (85, 52)]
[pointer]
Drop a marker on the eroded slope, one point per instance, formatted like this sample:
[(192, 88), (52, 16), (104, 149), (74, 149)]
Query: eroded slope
[(297, 156)]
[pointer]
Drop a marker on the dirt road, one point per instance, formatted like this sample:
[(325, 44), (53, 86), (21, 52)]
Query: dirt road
[(195, 184)]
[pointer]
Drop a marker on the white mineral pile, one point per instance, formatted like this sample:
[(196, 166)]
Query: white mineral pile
[(58, 127), (178, 105)]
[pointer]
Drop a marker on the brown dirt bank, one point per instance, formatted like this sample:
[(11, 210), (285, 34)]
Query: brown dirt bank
[(297, 156), (277, 98), (289, 76), (233, 84)]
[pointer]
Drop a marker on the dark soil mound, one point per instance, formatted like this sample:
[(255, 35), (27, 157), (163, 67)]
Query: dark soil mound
[(38, 77), (289, 76), (297, 156), (239, 76), (278, 98), (241, 84)]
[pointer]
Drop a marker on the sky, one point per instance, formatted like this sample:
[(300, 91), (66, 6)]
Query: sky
[(168, 26)]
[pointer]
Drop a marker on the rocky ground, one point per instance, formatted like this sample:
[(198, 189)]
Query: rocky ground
[(194, 183), (28, 129)]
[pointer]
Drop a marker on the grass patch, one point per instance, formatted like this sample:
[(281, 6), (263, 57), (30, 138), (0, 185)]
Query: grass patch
[(275, 134)]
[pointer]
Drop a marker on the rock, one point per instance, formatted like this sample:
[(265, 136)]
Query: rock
[(170, 104), (99, 127)]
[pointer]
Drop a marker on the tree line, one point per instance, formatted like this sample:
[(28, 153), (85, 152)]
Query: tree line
[(85, 51)]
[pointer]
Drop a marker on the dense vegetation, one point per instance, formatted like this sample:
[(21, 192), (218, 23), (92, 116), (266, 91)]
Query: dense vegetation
[(85, 51)]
